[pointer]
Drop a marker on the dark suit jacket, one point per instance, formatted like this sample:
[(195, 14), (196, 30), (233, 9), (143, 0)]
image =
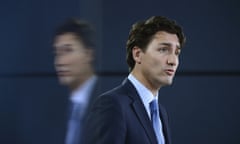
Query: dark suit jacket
[(119, 117), (59, 133)]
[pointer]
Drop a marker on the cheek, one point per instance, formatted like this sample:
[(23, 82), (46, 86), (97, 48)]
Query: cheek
[(79, 62), (159, 62), (61, 60), (76, 59), (81, 58)]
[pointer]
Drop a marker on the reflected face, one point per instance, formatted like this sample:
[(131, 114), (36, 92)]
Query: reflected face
[(73, 62), (158, 64)]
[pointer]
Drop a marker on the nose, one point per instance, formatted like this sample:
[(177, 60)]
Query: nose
[(58, 61), (172, 60)]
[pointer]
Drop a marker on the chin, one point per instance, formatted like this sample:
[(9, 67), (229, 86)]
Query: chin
[(65, 81), (168, 82)]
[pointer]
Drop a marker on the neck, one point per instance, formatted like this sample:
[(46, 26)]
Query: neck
[(81, 80), (148, 84)]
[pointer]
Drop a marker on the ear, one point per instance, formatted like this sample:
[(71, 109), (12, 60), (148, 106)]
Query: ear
[(136, 53)]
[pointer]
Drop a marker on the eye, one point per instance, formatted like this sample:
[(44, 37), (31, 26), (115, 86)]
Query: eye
[(63, 50), (163, 49), (67, 49)]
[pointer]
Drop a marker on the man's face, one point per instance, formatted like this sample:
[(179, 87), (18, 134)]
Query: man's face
[(72, 60), (159, 62)]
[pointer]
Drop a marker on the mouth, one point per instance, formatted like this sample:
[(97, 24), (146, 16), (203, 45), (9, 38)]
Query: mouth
[(63, 73), (170, 72)]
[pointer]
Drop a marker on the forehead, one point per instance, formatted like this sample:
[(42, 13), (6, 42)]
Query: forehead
[(66, 39), (66, 36), (165, 37)]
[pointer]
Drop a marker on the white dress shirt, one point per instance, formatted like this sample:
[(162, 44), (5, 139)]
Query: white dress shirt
[(82, 94), (144, 93)]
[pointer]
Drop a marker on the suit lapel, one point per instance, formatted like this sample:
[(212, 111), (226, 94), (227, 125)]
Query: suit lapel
[(96, 91), (145, 121), (140, 111)]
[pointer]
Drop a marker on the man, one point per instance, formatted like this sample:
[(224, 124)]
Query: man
[(130, 113), (74, 56)]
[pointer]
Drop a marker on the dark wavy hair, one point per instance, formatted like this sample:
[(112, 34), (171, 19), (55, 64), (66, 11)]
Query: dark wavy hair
[(80, 28), (142, 33)]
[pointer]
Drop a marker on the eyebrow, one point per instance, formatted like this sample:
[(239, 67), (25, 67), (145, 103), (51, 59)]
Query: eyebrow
[(67, 45), (62, 46), (169, 45)]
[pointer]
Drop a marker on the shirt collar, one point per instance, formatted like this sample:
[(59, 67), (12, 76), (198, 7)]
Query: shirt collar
[(144, 93), (82, 93)]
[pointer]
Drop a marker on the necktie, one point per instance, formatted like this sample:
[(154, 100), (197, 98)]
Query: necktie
[(156, 121), (74, 124)]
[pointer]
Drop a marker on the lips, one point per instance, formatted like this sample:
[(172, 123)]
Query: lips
[(63, 73), (170, 72)]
